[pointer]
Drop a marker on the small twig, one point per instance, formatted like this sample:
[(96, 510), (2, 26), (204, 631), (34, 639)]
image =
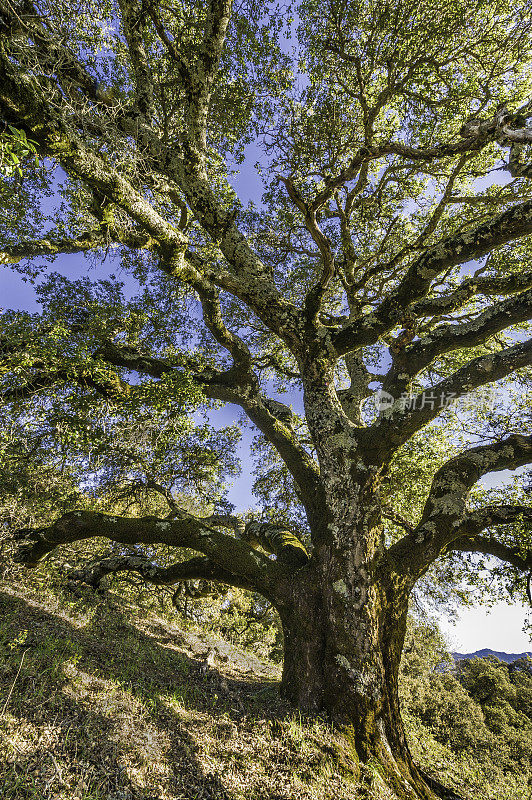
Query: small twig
[(57, 769), (389, 513), (13, 684)]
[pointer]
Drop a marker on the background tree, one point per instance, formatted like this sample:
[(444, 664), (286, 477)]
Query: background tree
[(383, 132)]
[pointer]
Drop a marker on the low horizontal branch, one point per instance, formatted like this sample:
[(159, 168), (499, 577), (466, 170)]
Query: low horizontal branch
[(226, 552), (198, 568), (277, 540)]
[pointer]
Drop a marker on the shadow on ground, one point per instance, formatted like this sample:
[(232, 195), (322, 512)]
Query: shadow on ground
[(125, 709)]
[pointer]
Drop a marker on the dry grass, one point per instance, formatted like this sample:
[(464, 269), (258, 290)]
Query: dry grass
[(110, 704), (102, 700)]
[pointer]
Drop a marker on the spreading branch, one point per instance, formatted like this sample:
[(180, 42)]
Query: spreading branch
[(487, 286), (23, 102), (406, 417), (445, 338), (445, 510), (236, 386), (470, 540), (234, 556), (490, 547), (316, 294), (511, 224), (475, 135)]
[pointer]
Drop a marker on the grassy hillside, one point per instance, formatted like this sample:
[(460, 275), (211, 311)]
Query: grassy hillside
[(102, 700)]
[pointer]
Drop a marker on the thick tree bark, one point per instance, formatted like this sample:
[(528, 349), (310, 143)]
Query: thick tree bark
[(344, 662), (344, 608)]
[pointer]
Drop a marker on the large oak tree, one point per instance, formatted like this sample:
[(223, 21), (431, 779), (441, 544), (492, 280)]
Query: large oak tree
[(385, 258)]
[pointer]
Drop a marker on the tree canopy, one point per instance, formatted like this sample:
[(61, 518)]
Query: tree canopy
[(383, 276)]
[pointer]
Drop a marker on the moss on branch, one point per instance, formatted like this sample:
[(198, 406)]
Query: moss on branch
[(226, 552)]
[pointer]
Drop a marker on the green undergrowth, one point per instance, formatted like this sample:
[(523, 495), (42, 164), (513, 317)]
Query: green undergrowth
[(106, 700), (470, 726)]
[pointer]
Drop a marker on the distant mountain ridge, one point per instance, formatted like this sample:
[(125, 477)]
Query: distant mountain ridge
[(508, 658)]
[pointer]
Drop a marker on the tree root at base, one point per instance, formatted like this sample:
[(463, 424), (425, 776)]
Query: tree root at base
[(438, 788)]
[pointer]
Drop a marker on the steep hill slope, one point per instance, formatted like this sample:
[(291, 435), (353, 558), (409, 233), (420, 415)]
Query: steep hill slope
[(115, 704), (102, 700)]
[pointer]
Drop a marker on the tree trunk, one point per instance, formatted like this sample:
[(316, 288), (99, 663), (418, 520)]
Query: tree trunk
[(343, 660), (344, 614)]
